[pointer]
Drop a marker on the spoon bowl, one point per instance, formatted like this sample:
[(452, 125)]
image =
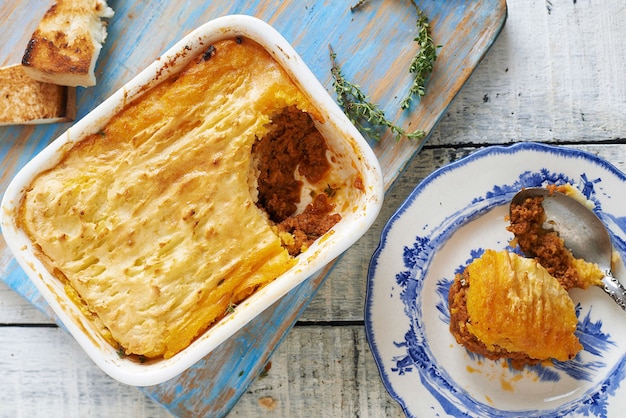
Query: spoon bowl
[(582, 231)]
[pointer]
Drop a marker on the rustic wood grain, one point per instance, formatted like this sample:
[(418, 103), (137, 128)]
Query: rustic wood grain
[(328, 356), (551, 76)]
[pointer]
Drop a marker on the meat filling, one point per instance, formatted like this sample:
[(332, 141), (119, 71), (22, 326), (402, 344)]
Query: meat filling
[(293, 145), (526, 223)]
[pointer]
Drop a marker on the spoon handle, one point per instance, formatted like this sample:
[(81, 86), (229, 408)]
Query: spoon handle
[(614, 289)]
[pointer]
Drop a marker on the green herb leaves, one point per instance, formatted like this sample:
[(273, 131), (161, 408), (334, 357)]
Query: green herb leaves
[(423, 62), (368, 118)]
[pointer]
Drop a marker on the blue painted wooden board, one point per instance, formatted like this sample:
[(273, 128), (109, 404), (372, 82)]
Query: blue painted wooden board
[(374, 47)]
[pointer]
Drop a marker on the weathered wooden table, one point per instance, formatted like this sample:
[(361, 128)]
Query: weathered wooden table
[(555, 74)]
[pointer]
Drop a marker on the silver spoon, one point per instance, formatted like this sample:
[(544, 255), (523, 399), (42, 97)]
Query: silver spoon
[(582, 231)]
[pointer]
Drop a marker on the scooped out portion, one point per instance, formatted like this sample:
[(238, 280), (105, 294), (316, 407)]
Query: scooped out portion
[(527, 224)]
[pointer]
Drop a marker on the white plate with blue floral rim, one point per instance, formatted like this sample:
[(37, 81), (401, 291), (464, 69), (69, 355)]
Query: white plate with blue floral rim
[(450, 218)]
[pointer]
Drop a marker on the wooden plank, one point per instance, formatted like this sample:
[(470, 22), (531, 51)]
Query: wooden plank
[(555, 74), (311, 359), (318, 371), (14, 309), (46, 374)]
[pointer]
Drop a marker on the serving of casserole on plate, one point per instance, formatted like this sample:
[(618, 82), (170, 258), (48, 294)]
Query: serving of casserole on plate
[(439, 230)]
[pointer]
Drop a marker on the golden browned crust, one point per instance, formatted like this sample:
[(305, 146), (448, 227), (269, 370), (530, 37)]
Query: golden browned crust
[(42, 54), (507, 306), (457, 301), (512, 277), (152, 223)]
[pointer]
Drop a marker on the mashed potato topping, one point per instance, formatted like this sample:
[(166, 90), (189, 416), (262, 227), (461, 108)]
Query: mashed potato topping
[(514, 303), (152, 223)]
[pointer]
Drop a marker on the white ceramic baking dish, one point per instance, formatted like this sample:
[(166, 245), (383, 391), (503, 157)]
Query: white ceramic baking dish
[(340, 134)]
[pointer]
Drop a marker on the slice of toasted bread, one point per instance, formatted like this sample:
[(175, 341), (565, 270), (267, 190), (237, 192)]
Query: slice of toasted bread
[(27, 101), (65, 46)]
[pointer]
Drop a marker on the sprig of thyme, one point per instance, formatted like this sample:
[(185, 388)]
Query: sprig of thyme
[(366, 116), (423, 62)]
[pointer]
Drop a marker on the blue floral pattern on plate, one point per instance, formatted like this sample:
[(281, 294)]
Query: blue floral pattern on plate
[(449, 219)]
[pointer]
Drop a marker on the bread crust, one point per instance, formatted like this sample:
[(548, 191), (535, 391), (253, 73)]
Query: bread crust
[(66, 44), (27, 101)]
